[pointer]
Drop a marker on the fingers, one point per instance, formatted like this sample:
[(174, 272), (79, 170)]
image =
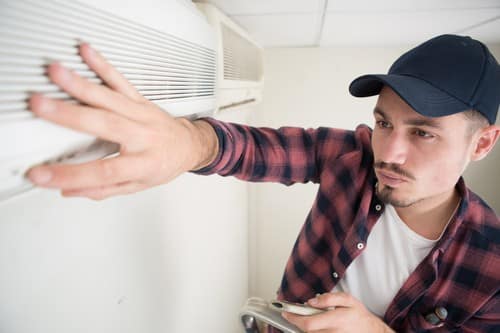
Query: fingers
[(312, 323), (103, 192), (333, 299), (99, 123), (95, 95), (337, 304), (85, 91), (101, 173), (114, 79)]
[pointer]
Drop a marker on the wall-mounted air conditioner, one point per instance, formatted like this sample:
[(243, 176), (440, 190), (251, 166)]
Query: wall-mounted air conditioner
[(166, 49), (240, 65)]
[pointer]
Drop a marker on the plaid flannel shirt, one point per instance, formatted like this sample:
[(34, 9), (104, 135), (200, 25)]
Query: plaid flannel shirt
[(461, 273)]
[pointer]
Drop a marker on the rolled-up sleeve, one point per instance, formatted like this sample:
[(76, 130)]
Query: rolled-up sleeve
[(286, 155)]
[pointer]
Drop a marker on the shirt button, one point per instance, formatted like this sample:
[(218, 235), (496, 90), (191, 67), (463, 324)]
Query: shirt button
[(437, 317), (378, 208), (335, 275), (441, 312), (360, 246), (432, 319)]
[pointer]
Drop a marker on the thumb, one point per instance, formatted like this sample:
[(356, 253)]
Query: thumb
[(333, 299)]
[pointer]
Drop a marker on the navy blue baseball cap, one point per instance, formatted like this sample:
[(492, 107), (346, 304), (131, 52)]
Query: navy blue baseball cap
[(445, 75)]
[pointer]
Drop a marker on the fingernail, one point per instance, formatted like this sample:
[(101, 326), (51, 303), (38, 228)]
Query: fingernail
[(284, 315), (313, 301), (90, 50), (62, 73), (46, 105), (40, 176)]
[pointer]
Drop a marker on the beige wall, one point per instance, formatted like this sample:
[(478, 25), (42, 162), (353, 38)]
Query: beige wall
[(308, 87), (169, 259)]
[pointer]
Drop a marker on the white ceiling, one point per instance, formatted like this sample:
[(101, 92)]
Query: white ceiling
[(287, 23)]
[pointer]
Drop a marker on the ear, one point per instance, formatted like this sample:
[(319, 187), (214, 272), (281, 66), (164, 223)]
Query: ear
[(485, 141)]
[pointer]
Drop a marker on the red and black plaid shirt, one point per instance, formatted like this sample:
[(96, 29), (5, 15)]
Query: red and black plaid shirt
[(461, 273)]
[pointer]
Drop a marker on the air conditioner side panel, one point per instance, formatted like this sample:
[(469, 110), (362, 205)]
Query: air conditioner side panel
[(240, 77)]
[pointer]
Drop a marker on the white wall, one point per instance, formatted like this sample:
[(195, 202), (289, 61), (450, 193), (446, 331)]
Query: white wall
[(308, 87), (171, 259)]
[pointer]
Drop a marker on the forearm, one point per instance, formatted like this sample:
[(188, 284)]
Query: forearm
[(259, 154)]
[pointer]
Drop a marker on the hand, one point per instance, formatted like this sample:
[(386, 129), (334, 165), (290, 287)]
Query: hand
[(154, 146), (349, 315)]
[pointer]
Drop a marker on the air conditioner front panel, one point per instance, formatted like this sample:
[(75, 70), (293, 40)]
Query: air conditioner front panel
[(166, 49)]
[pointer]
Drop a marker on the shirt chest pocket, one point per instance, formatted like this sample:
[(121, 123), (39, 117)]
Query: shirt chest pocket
[(433, 318)]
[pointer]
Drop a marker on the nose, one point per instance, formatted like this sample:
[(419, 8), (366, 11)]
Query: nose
[(394, 149)]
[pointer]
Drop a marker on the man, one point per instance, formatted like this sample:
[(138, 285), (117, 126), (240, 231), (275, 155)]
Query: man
[(394, 240)]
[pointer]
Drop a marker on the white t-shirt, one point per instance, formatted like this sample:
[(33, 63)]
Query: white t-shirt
[(392, 253)]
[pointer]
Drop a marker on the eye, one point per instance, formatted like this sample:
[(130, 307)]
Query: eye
[(383, 124), (423, 134)]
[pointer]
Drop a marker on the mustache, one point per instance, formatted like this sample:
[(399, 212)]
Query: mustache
[(394, 168)]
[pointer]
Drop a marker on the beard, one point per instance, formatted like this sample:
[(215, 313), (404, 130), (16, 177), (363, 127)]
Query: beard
[(386, 195)]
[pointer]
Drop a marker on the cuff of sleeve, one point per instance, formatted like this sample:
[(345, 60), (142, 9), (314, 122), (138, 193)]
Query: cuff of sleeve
[(214, 166)]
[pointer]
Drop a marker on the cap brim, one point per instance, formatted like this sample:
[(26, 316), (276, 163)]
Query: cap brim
[(420, 95)]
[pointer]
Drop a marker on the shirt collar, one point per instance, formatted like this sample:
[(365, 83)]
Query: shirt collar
[(457, 219)]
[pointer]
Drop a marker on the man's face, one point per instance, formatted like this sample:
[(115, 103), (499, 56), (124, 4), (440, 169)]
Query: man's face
[(417, 158)]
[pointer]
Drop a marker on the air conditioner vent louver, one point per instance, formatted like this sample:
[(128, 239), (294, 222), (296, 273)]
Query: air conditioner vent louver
[(167, 51), (242, 60), (161, 66)]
